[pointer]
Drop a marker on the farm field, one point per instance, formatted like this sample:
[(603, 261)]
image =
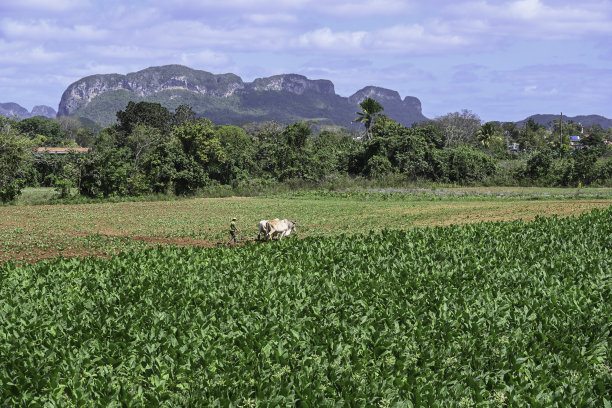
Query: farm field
[(493, 314), (32, 232)]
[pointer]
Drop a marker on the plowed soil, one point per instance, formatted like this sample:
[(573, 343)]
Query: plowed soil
[(32, 233)]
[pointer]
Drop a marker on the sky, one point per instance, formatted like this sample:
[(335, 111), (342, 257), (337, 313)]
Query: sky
[(502, 60)]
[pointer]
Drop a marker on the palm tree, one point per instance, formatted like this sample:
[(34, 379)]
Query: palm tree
[(486, 133), (370, 109)]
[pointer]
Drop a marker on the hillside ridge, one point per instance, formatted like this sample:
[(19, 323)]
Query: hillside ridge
[(585, 120), (8, 109), (227, 99)]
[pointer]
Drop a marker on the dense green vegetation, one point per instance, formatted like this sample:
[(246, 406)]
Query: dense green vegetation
[(151, 150), (481, 315), (15, 157)]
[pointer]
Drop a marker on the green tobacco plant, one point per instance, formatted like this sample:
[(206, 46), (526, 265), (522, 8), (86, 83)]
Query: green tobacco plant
[(484, 315)]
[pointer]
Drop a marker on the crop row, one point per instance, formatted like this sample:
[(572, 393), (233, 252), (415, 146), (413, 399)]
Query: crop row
[(31, 233), (483, 315)]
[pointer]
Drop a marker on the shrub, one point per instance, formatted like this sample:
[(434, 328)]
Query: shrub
[(464, 165), (538, 165)]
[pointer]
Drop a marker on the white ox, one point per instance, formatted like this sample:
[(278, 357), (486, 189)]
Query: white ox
[(279, 227), (261, 225)]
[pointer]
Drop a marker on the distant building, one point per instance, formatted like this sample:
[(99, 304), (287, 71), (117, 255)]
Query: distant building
[(62, 150), (575, 142)]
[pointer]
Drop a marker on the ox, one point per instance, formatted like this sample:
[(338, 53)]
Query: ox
[(261, 225), (279, 227)]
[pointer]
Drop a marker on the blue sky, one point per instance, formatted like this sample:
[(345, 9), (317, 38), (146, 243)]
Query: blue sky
[(503, 60)]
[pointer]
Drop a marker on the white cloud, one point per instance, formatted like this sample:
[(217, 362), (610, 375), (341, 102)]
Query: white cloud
[(44, 5), (25, 56), (535, 90), (46, 30), (416, 38), (347, 10), (124, 52), (87, 68), (227, 8), (266, 18), (362, 8), (125, 18), (206, 58), (326, 39), (398, 40), (20, 53), (532, 18), (186, 34), (526, 9)]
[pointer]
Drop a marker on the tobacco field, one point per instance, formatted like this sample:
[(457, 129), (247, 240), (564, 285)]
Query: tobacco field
[(488, 314), (30, 233)]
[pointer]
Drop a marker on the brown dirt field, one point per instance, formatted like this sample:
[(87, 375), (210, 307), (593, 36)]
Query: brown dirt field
[(31, 233)]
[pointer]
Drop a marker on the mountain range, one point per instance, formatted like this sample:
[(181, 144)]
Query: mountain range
[(13, 109), (585, 120), (227, 99)]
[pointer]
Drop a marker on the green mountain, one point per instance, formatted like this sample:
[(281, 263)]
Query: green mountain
[(585, 120), (226, 99)]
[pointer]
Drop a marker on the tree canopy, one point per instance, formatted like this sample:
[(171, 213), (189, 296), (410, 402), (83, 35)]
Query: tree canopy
[(370, 108), (15, 159), (152, 150)]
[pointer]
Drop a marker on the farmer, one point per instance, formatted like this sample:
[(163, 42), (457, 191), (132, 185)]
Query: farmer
[(233, 231)]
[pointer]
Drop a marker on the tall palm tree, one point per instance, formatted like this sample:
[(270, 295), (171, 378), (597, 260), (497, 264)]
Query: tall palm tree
[(370, 109), (486, 133)]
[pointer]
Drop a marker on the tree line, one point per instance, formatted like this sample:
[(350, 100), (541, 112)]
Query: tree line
[(151, 150)]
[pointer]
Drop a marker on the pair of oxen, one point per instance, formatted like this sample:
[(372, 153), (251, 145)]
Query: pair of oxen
[(275, 228)]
